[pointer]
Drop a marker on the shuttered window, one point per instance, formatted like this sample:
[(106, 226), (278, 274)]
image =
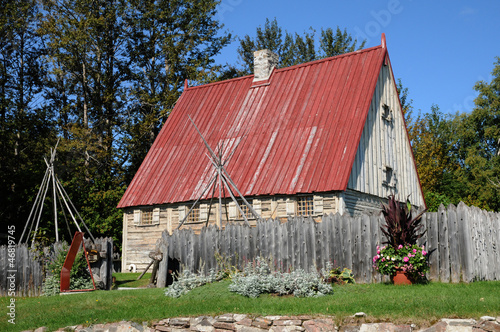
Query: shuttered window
[(146, 216)]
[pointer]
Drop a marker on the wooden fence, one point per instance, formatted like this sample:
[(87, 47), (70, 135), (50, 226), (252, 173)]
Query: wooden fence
[(22, 269), (463, 242)]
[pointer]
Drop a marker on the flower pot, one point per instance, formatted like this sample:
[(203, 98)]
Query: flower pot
[(400, 278)]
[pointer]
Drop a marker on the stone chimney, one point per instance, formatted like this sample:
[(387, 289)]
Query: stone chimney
[(264, 62)]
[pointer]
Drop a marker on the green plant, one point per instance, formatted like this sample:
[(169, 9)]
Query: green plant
[(187, 281), (226, 270), (400, 228), (258, 278), (341, 276), (411, 259)]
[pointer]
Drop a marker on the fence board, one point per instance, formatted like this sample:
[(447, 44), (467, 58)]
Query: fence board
[(454, 244), (443, 246), (466, 242), (432, 245)]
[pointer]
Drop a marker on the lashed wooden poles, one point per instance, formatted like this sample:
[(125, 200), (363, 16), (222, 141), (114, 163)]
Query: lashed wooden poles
[(223, 179)]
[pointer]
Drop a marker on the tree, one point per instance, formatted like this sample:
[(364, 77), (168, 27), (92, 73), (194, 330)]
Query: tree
[(86, 87), (478, 144), (167, 43), (292, 49), (26, 129)]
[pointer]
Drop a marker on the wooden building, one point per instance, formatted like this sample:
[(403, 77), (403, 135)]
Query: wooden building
[(322, 137)]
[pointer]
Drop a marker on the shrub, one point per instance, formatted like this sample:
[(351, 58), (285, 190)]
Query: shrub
[(338, 275), (400, 228), (187, 281), (257, 278)]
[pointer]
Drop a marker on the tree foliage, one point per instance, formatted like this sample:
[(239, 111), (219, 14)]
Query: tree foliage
[(293, 48), (457, 155), (25, 126)]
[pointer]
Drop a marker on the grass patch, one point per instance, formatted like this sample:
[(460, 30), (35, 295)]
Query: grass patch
[(419, 304), (130, 280)]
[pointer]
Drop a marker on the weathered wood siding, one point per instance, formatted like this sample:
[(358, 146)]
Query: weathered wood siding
[(356, 202), (463, 244), (384, 143)]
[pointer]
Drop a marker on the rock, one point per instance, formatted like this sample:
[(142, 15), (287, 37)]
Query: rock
[(239, 317), (359, 315), (180, 322), (249, 329), (384, 327), (224, 326), (349, 328), (488, 318), (319, 325), (287, 322), (261, 323), (244, 322), (487, 325), (226, 318), (438, 327), (42, 329), (277, 328)]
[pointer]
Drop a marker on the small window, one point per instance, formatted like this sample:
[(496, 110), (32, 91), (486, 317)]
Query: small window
[(245, 209), (305, 206), (194, 215), (389, 180), (386, 113), (146, 216)]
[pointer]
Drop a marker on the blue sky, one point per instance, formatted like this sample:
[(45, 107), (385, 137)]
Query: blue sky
[(439, 49)]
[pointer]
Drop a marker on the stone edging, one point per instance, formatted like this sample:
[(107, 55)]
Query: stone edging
[(245, 323)]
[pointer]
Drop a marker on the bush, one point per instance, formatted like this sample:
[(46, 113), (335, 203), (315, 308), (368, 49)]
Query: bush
[(187, 281), (257, 278)]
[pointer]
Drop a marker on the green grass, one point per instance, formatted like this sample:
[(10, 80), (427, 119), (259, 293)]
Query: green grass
[(419, 304), (130, 280)]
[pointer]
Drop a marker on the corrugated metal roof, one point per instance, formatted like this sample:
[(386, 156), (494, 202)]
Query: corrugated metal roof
[(299, 133)]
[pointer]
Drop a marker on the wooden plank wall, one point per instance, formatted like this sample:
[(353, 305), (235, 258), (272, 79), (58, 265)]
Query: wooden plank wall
[(463, 243), (29, 272)]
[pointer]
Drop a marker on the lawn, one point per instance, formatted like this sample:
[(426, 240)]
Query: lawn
[(129, 280), (419, 304)]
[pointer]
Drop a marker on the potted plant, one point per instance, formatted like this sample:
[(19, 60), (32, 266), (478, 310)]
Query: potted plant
[(401, 257)]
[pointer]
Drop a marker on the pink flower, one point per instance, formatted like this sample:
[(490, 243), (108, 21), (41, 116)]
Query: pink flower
[(378, 252), (383, 259), (414, 251), (424, 252), (406, 259), (400, 246)]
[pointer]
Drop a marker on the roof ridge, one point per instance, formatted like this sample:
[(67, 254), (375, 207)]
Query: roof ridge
[(310, 63), (335, 57)]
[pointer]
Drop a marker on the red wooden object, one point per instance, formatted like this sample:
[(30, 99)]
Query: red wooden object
[(68, 264)]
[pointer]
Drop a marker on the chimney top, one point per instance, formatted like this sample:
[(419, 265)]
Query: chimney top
[(264, 62)]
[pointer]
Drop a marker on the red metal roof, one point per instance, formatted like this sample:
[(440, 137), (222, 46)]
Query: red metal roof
[(299, 133)]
